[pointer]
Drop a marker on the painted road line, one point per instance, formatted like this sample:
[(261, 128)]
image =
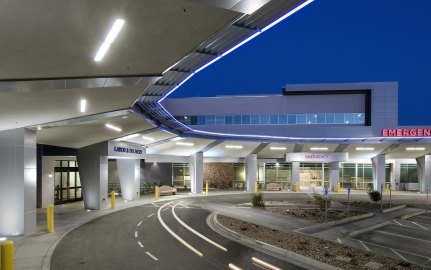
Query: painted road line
[(150, 215), (187, 245), (234, 267), (185, 205), (403, 236), (136, 234), (165, 209), (398, 223), (365, 246), (403, 225), (310, 195), (140, 244), (152, 256), (339, 240), (139, 224), (421, 226), (264, 264), (154, 204), (194, 231), (399, 255)]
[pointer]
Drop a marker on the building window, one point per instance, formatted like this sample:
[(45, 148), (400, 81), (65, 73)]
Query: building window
[(67, 183), (181, 175)]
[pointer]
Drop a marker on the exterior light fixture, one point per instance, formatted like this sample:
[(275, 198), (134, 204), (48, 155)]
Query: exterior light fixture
[(39, 128), (319, 148), (113, 127), (147, 138), (415, 148), (184, 143), (50, 175), (234, 146), (364, 148), (277, 148), (115, 29), (83, 105)]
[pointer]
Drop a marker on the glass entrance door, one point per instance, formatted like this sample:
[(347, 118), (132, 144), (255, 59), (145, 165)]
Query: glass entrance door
[(311, 176), (67, 184)]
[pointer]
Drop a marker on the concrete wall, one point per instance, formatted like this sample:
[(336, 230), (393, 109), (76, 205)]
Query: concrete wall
[(218, 175)]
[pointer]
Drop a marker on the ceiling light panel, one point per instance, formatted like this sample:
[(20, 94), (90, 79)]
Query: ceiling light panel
[(276, 148), (148, 138), (115, 29), (364, 148), (319, 148), (113, 127), (233, 146), (415, 148), (83, 105), (184, 143)]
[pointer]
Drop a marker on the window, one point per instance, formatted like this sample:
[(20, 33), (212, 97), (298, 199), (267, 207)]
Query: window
[(254, 119), (210, 119), (228, 120), (291, 119), (330, 118), (311, 118), (219, 120), (282, 119), (301, 119), (237, 119), (245, 119), (264, 119), (273, 119), (320, 118), (339, 118)]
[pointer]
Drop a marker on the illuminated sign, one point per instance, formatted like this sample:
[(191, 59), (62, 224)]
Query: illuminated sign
[(406, 132), (127, 150), (317, 157)]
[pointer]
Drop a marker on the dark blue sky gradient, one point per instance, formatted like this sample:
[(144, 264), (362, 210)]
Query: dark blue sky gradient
[(334, 41)]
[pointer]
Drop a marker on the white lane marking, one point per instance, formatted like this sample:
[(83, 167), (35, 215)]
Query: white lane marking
[(140, 244), (159, 216), (339, 240), (398, 254), (310, 195), (398, 223), (403, 236), (264, 264), (194, 231), (423, 227), (151, 215), (234, 267), (365, 246), (136, 234), (139, 224), (154, 204), (165, 209), (184, 205), (423, 217), (152, 256)]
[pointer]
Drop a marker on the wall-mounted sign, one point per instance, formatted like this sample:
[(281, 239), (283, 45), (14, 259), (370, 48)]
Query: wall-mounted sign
[(317, 157), (406, 132), (127, 150)]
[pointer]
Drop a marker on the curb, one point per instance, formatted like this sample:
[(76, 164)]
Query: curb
[(336, 222), (369, 228), (413, 214), (394, 208), (289, 256)]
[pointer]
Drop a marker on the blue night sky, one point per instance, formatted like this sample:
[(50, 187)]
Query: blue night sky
[(334, 41)]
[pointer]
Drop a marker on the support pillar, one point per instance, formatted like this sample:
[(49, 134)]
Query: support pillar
[(424, 172), (197, 172), (251, 171), (295, 173), (396, 180), (334, 175), (129, 174), (17, 182), (379, 171)]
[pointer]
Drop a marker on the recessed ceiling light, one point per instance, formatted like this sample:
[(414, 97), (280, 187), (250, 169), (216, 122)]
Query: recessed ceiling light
[(277, 148), (83, 105), (177, 139), (147, 138), (128, 137), (415, 148), (319, 148), (115, 29), (113, 127), (185, 143), (364, 148), (234, 146), (124, 117), (39, 128)]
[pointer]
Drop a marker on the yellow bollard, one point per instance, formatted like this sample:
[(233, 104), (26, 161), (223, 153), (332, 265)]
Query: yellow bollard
[(296, 187), (206, 189), (156, 193), (387, 188), (256, 188), (339, 187), (50, 218), (7, 255), (113, 200)]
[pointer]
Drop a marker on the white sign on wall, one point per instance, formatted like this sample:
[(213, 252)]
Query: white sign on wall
[(123, 149), (317, 157)]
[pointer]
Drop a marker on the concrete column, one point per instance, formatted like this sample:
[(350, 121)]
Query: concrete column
[(379, 171), (295, 173), (424, 172), (17, 182), (93, 171), (334, 175), (129, 174), (197, 172), (250, 171), (396, 172)]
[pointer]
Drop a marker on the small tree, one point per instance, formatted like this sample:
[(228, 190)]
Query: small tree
[(375, 195), (257, 200), (319, 201)]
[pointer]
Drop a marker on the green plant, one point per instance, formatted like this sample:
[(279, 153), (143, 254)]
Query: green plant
[(257, 200), (319, 201), (375, 195)]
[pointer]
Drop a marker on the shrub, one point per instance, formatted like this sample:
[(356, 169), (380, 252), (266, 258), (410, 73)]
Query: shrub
[(257, 200), (375, 195), (319, 201)]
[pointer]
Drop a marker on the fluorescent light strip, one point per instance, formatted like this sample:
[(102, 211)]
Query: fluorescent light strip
[(176, 87), (277, 148), (115, 29), (240, 44), (147, 138), (113, 127), (127, 137), (286, 15), (415, 148), (319, 148), (83, 105), (233, 146), (184, 143), (207, 64), (364, 148)]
